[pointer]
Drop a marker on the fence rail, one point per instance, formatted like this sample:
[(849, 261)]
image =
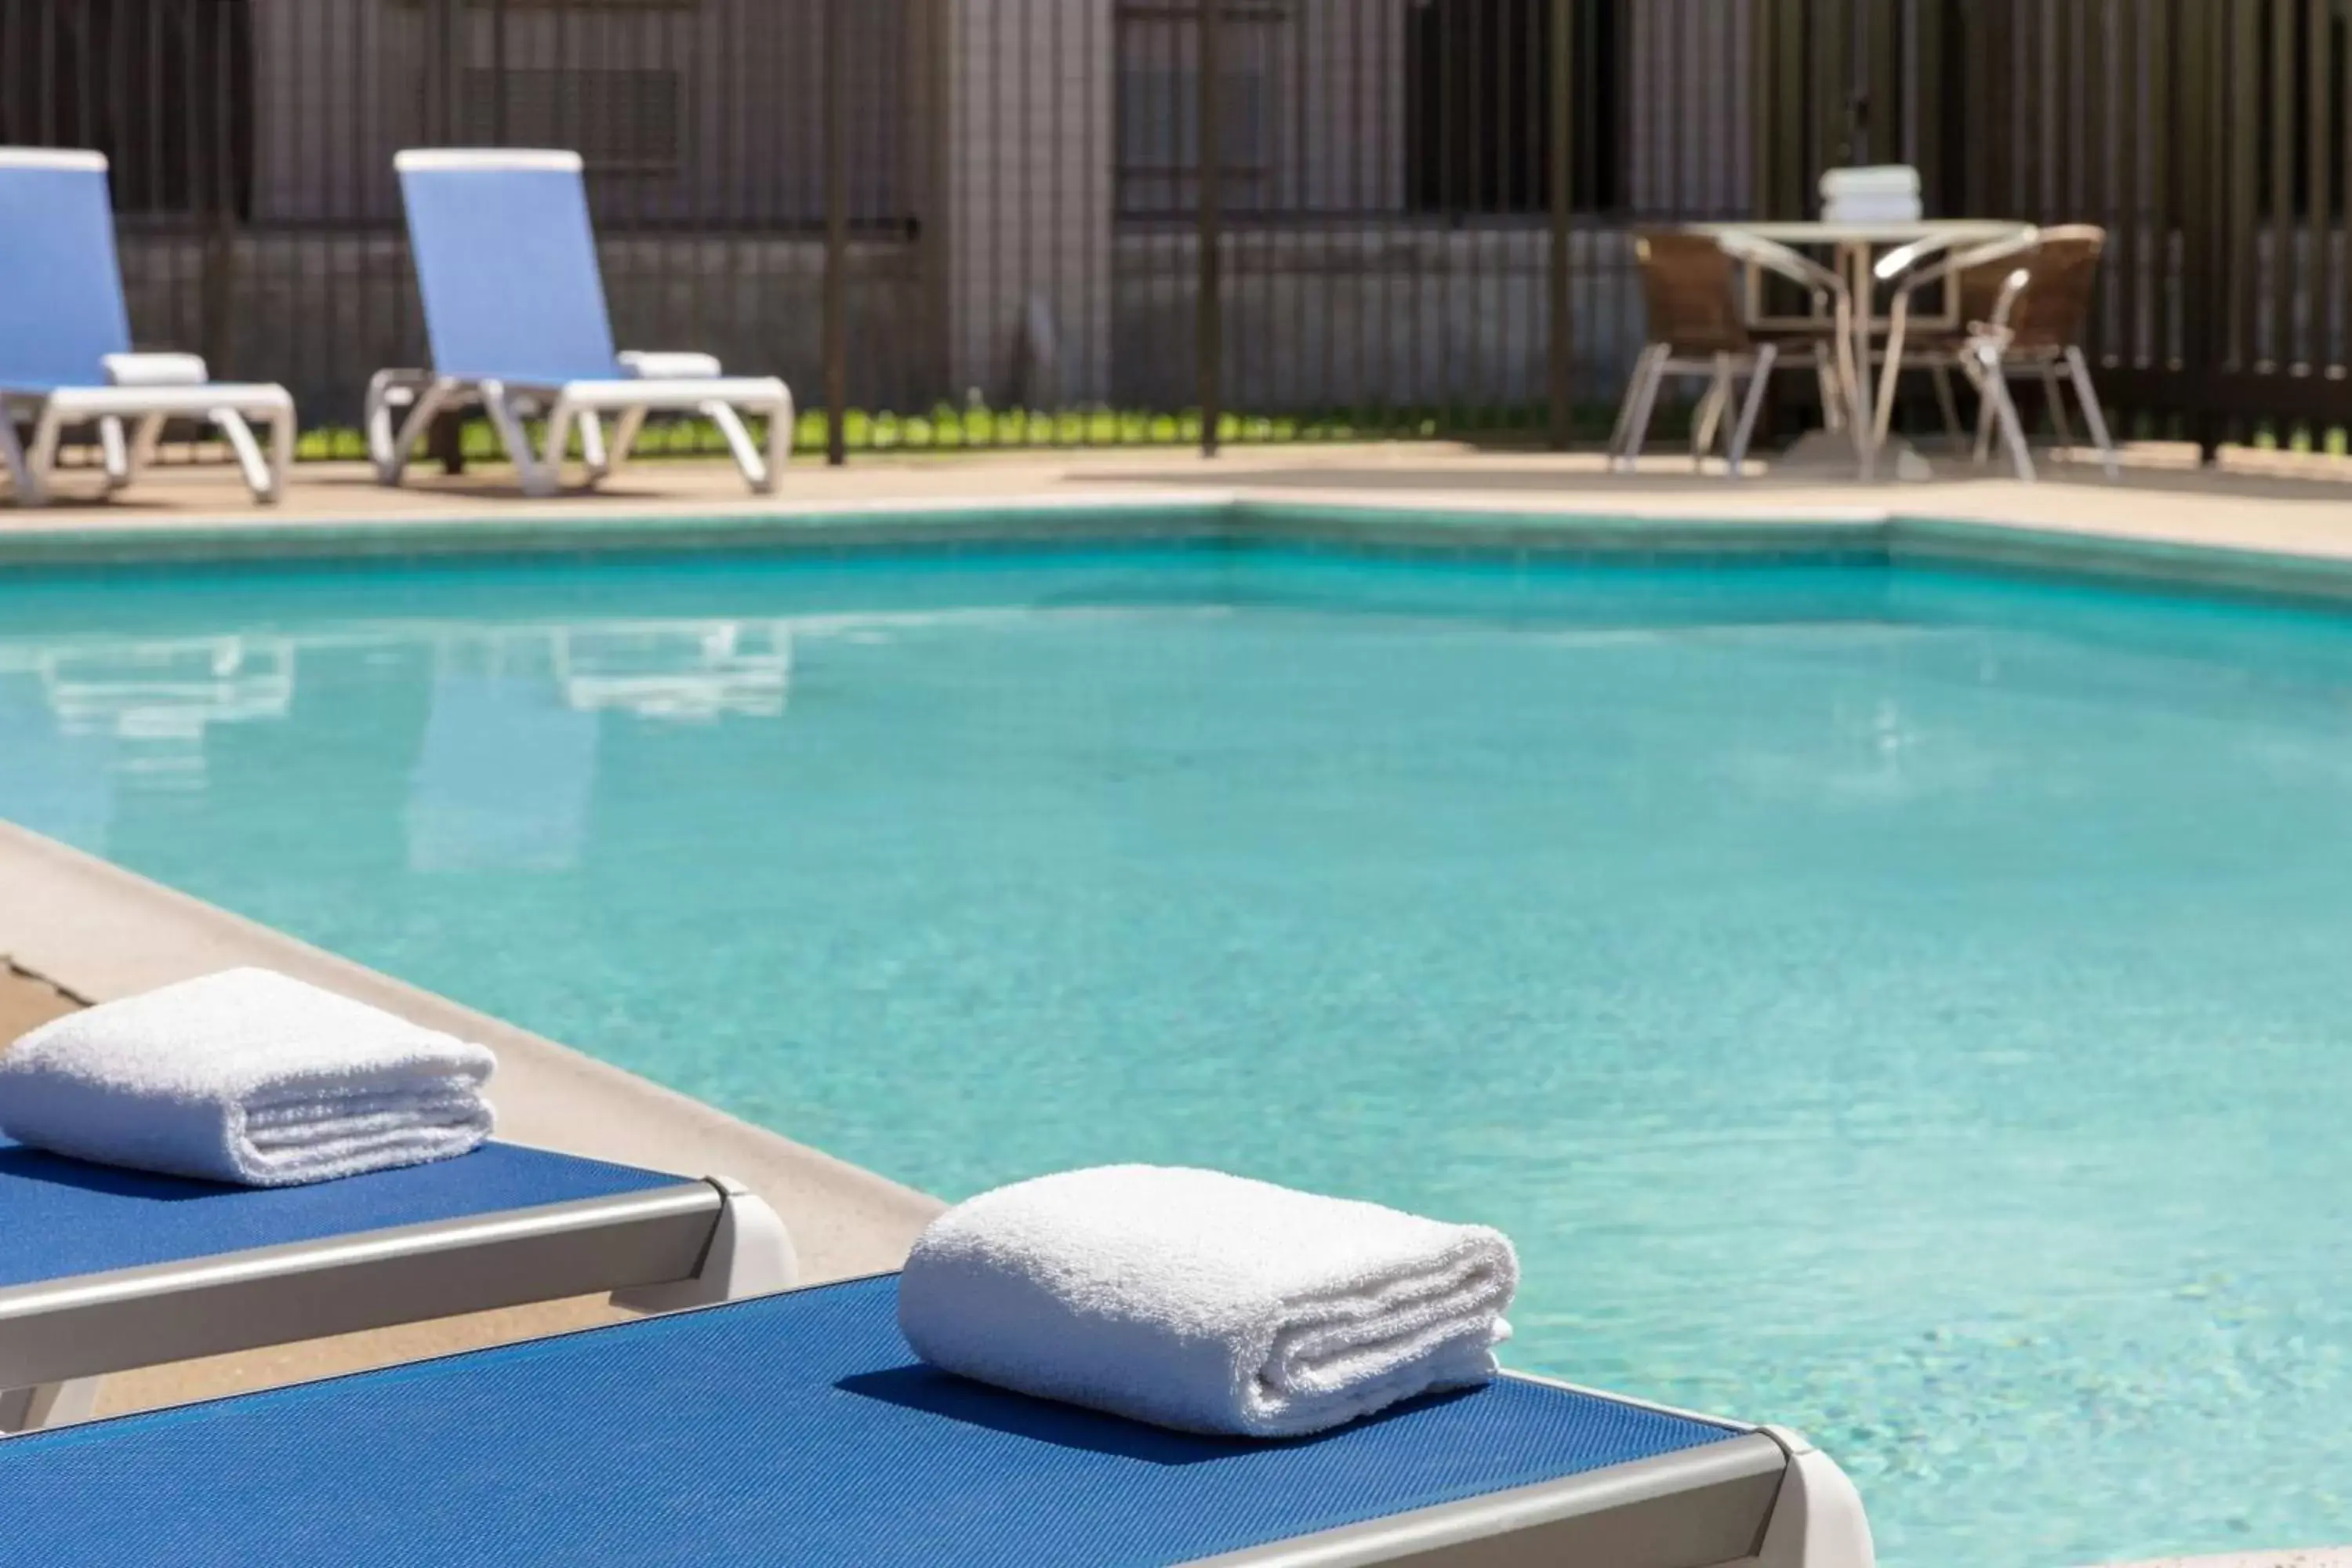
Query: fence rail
[(953, 222)]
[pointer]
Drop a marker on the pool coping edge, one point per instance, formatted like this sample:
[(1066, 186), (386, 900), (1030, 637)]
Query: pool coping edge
[(1473, 528)]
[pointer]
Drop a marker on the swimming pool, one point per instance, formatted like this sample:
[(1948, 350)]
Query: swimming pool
[(1909, 1007)]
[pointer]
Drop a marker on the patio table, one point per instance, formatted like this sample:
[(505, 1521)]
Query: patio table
[(1857, 247)]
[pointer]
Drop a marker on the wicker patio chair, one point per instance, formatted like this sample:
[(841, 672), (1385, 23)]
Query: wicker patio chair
[(1698, 327), (2023, 304)]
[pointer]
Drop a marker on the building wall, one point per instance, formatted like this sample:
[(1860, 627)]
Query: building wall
[(985, 146), (689, 112), (1025, 193), (1325, 320), (1691, 84)]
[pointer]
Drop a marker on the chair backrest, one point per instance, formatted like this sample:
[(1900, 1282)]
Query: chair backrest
[(62, 311), (505, 263), (2062, 271), (1692, 285)]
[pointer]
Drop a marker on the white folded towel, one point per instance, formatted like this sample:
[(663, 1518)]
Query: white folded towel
[(1205, 1302), (245, 1076)]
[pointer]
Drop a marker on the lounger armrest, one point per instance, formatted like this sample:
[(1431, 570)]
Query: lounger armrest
[(751, 1254), (648, 366), (261, 399), (156, 370), (1817, 1519)]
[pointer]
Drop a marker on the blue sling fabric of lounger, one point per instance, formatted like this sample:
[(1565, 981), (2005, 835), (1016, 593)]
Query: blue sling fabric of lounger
[(506, 261), (793, 1428), (61, 309), (93, 1218)]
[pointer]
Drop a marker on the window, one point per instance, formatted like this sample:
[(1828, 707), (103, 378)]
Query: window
[(1478, 98), (615, 80), (163, 88), (1158, 105), (620, 122)]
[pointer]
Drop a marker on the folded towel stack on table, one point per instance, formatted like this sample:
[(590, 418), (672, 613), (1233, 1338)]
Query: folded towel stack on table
[(246, 1076), (1885, 194), (1205, 1302)]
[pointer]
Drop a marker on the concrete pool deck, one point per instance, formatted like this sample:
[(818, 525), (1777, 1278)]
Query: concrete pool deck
[(75, 930), (2252, 499)]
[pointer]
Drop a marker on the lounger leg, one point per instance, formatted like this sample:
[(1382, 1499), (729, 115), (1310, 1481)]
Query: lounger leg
[(560, 418), (390, 451), (2092, 414), (387, 390), (624, 438), (1817, 1517), (1759, 382), (41, 458), (751, 1254), (756, 473), (537, 480), (260, 474), (145, 440), (591, 444), (114, 452), (50, 1405), (12, 459)]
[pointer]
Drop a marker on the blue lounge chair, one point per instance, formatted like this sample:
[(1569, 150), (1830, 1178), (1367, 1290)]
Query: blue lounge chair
[(798, 1428), (514, 311), (104, 1270), (65, 340)]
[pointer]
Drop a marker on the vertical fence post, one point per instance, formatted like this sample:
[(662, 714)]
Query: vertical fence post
[(1562, 345), (2201, 129), (447, 440), (836, 236), (1209, 314), (498, 134)]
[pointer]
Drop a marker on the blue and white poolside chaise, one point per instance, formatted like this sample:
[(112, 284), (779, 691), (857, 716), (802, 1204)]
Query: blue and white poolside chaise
[(65, 358), (514, 313), (103, 1269), (799, 1428)]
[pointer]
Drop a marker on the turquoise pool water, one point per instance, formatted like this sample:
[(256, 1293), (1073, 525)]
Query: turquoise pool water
[(1911, 1007)]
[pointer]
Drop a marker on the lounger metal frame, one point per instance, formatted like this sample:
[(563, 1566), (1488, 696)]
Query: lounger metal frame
[(1754, 1497), (1763, 1498), (402, 404), (689, 1244), (231, 407)]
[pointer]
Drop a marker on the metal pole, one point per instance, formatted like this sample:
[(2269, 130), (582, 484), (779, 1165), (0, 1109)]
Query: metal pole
[(1563, 193), (1209, 322), (446, 441), (836, 239), (498, 73)]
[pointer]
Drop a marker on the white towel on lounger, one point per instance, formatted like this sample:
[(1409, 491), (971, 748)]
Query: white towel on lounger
[(245, 1076), (1203, 1301)]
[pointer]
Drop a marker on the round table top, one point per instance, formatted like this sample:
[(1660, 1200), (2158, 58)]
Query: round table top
[(1819, 232)]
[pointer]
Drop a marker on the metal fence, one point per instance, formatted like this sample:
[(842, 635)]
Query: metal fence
[(957, 222)]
